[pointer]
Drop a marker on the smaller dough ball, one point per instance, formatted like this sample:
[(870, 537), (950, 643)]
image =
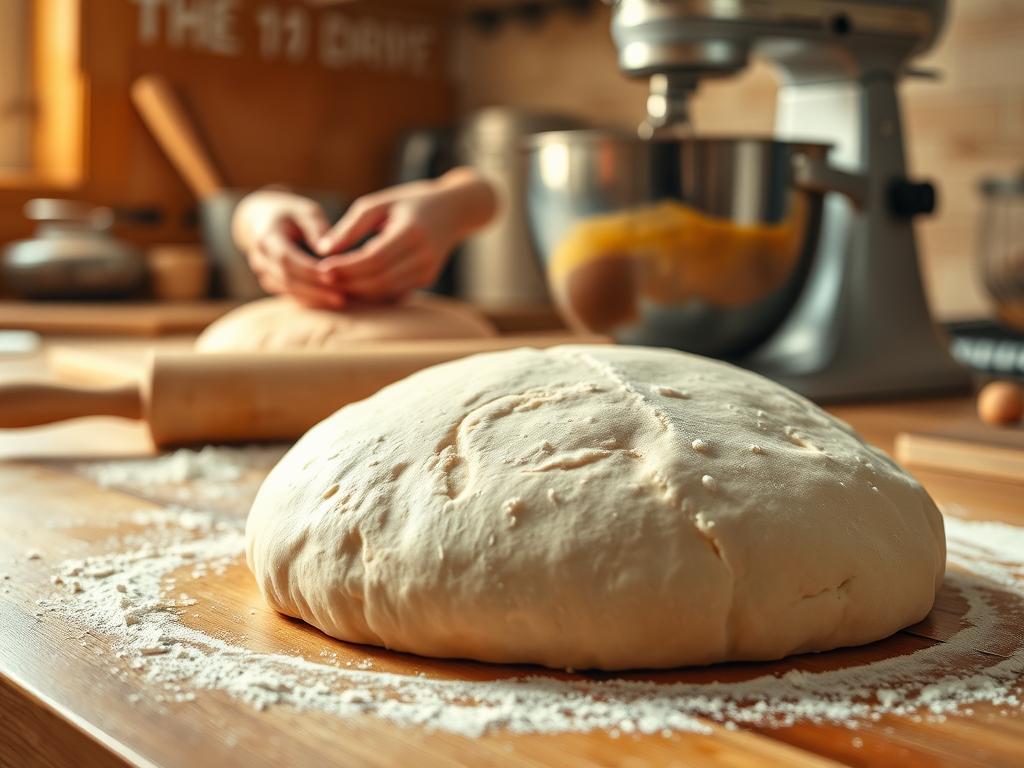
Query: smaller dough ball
[(1001, 403), (281, 324)]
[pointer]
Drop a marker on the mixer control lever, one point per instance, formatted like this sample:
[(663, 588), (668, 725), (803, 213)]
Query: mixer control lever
[(814, 174), (912, 198)]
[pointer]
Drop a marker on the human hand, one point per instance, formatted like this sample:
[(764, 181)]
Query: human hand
[(413, 229), (278, 231)]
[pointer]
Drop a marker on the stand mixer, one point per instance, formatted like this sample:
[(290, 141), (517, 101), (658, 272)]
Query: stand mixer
[(857, 323)]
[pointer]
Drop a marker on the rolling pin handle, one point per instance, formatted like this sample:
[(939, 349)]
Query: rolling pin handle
[(32, 405)]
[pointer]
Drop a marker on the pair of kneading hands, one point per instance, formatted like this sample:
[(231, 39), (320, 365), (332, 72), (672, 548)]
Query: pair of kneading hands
[(388, 244)]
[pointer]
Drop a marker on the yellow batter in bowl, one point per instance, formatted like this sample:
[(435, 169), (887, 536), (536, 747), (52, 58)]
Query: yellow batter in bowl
[(670, 253)]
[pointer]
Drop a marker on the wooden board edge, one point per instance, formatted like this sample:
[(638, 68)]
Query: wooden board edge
[(938, 453), (89, 366), (51, 736)]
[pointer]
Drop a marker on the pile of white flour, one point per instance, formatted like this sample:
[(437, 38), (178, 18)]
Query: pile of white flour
[(208, 475), (128, 598)]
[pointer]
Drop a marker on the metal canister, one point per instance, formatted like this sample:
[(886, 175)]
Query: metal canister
[(498, 267)]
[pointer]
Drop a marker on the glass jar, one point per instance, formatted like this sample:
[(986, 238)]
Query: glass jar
[(1001, 246)]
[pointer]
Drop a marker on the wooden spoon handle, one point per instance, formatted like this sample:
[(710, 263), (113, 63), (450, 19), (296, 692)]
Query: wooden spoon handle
[(167, 120), (31, 405)]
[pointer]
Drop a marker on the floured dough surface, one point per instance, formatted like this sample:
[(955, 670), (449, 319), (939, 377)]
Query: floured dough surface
[(594, 507), (282, 324)]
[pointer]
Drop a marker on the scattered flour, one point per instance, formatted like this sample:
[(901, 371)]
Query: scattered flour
[(211, 473), (127, 597)]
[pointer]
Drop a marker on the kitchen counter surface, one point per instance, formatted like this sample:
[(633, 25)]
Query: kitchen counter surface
[(66, 699)]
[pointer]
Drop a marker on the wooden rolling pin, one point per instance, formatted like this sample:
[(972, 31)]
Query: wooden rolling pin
[(187, 398)]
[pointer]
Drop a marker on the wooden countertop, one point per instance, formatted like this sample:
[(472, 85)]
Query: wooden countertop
[(61, 704)]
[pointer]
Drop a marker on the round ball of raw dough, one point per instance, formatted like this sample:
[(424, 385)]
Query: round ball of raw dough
[(282, 324), (594, 507)]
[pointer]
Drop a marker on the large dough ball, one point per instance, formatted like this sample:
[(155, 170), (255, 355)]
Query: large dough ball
[(594, 507), (281, 324)]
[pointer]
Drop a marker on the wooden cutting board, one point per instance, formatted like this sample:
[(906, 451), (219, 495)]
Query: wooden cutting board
[(59, 688), (155, 319), (966, 447), (112, 318)]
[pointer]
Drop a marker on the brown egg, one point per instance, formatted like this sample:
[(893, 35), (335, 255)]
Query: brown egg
[(1001, 403)]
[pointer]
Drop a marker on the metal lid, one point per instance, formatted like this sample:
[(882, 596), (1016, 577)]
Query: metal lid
[(74, 212)]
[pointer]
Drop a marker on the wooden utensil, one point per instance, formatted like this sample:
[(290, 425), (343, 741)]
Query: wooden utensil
[(187, 398), (171, 126), (167, 120)]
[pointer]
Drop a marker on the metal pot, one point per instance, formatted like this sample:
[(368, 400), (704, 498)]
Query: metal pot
[(72, 256), (698, 244)]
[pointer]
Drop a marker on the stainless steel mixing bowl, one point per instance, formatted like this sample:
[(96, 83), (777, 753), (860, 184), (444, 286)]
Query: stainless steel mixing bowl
[(698, 244)]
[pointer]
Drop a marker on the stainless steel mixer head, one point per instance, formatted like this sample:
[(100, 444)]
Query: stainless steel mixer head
[(715, 38), (679, 43), (668, 108)]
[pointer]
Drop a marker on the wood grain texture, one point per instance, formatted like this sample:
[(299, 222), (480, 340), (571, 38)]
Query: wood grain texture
[(45, 738), (32, 405), (130, 320), (63, 515), (970, 448)]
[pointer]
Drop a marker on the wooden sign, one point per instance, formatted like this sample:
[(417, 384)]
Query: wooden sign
[(314, 95), (275, 31)]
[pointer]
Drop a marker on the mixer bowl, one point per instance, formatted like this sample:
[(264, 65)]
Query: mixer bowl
[(698, 244)]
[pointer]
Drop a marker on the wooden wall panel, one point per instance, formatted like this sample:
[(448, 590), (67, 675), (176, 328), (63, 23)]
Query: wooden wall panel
[(966, 126), (15, 105)]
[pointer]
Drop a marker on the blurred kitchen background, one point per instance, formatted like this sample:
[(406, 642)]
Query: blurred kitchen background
[(346, 97)]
